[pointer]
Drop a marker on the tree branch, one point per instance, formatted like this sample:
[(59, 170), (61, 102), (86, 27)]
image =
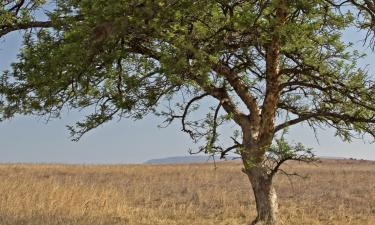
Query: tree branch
[(241, 89), (214, 126), (183, 117), (269, 106), (224, 152), (5, 29)]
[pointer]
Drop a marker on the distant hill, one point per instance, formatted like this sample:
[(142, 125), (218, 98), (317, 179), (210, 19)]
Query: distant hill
[(205, 158), (183, 159), (332, 157)]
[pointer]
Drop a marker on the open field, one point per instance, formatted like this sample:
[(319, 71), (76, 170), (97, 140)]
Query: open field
[(337, 192)]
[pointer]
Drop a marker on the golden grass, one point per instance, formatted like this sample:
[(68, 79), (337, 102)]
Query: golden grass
[(337, 193)]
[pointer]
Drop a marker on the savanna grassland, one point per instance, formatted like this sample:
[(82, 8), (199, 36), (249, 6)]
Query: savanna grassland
[(337, 192)]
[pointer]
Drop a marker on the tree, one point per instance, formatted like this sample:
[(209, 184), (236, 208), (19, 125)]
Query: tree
[(267, 64)]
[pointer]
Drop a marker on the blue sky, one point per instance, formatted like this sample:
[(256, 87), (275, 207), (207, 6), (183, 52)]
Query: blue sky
[(31, 139)]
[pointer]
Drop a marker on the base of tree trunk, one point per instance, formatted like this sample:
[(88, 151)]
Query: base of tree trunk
[(265, 197)]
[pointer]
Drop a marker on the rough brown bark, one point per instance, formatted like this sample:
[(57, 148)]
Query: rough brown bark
[(257, 142), (261, 182), (265, 196), (272, 96), (253, 156)]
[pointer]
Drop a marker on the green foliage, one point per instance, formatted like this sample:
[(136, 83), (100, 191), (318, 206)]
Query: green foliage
[(282, 150), (122, 58)]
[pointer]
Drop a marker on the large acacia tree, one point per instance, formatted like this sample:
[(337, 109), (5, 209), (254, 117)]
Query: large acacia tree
[(265, 64)]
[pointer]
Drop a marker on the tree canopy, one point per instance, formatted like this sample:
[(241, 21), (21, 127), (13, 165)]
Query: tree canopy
[(121, 58)]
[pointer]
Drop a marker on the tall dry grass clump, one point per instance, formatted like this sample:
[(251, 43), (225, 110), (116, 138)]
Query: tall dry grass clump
[(337, 192)]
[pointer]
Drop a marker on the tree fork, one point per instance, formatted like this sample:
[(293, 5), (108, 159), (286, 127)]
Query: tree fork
[(261, 181)]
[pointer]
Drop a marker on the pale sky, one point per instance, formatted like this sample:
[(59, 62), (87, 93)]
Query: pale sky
[(30, 139)]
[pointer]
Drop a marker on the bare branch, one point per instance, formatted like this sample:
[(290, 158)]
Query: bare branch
[(223, 152), (240, 87), (183, 117), (215, 125)]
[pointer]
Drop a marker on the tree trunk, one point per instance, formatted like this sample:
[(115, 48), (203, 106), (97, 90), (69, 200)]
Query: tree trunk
[(265, 196)]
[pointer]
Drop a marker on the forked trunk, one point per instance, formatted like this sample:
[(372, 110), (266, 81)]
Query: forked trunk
[(265, 196)]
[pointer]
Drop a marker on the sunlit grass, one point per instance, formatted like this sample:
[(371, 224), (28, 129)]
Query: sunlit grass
[(337, 192)]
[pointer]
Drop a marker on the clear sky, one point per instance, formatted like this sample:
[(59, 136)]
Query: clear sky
[(31, 139)]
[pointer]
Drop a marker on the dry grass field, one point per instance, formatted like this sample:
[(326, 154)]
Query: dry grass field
[(337, 192)]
